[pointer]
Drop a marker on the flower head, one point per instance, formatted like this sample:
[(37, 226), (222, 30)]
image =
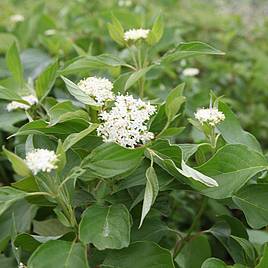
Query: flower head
[(41, 160), (21, 265), (124, 3), (190, 72), (50, 32), (100, 89), (17, 18), (126, 122), (135, 34), (211, 116), (31, 99)]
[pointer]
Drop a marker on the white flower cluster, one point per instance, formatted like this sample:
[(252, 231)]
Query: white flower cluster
[(21, 265), (17, 18), (100, 89), (211, 116), (41, 160), (126, 122), (50, 32), (31, 99), (190, 72), (124, 3), (135, 34)]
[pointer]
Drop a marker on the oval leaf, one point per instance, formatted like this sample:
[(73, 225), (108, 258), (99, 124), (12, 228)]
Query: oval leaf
[(232, 161), (76, 92), (253, 200), (18, 164), (151, 192), (189, 49), (143, 254), (106, 227), (60, 254), (45, 81), (111, 159)]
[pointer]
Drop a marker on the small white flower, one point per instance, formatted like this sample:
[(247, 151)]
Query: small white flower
[(41, 160), (100, 89), (126, 122), (135, 34), (190, 72), (31, 99), (50, 32), (17, 18), (124, 3), (21, 265), (211, 116)]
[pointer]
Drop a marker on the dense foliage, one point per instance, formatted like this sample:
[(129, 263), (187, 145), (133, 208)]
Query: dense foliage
[(120, 146)]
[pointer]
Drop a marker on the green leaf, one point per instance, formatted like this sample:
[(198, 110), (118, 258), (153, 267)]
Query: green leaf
[(18, 164), (171, 132), (236, 226), (240, 249), (34, 62), (19, 214), (174, 102), (50, 227), (76, 92), (45, 81), (137, 75), (9, 121), (152, 229), (157, 31), (189, 49), (120, 82), (106, 227), (110, 159), (166, 150), (188, 150), (61, 157), (116, 31), (232, 161), (232, 131), (60, 254), (73, 138), (264, 259), (14, 64), (136, 178), (213, 263), (143, 254), (80, 51), (41, 127), (27, 184), (10, 94), (189, 172), (65, 111), (159, 121), (253, 201), (29, 146), (86, 63), (258, 238), (8, 196), (8, 262), (249, 251), (6, 40), (151, 192), (29, 242), (194, 253), (169, 157)]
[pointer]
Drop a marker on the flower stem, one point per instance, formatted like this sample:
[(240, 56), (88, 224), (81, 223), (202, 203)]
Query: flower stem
[(132, 54), (141, 83), (68, 211)]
